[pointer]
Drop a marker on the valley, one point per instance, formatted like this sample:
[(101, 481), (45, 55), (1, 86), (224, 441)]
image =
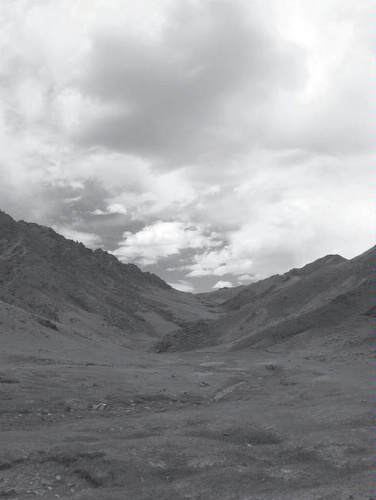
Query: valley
[(261, 393)]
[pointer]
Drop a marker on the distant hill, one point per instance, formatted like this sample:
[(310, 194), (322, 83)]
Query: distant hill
[(322, 295)]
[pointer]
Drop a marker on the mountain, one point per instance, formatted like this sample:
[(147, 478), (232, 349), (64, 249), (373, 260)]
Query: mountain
[(71, 287), (265, 388), (45, 274), (322, 295)]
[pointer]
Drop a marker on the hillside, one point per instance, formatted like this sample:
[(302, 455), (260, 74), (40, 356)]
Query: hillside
[(323, 294), (48, 275)]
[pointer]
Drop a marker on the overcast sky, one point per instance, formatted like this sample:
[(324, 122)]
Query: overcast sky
[(213, 142)]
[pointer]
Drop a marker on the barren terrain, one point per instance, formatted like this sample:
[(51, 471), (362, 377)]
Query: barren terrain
[(264, 394)]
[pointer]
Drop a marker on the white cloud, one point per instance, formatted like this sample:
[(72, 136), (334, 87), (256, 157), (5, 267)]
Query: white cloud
[(117, 208), (88, 239), (223, 284), (161, 240), (114, 208), (309, 211), (183, 286), (227, 260), (75, 199)]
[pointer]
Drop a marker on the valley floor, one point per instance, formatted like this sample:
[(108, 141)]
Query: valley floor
[(290, 423)]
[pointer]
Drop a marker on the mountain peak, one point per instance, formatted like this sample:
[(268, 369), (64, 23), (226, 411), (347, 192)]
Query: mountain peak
[(328, 260), (5, 218)]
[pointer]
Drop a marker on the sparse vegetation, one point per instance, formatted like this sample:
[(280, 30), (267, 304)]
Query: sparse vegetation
[(266, 393)]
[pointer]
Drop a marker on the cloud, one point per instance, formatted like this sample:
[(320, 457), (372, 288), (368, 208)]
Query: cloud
[(245, 125), (223, 284), (175, 99), (330, 115), (88, 239), (305, 213), (72, 200), (161, 240), (245, 277), (227, 260), (183, 286), (114, 208)]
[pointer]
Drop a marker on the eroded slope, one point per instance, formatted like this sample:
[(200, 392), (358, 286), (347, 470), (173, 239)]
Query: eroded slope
[(321, 295), (46, 274)]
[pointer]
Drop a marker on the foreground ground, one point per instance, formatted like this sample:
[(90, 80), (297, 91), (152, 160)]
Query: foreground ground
[(293, 422)]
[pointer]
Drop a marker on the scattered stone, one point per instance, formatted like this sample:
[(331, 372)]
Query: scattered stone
[(270, 367), (99, 406), (47, 323)]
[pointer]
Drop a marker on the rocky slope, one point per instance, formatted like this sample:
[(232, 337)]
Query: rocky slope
[(76, 289), (48, 275), (326, 293)]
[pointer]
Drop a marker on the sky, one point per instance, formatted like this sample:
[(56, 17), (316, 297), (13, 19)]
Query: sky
[(212, 142)]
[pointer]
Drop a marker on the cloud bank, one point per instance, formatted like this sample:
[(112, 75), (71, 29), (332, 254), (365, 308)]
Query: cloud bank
[(198, 139)]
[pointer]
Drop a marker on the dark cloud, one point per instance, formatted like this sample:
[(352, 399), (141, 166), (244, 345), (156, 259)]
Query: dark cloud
[(176, 98)]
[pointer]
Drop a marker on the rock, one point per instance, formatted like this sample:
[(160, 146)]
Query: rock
[(99, 406)]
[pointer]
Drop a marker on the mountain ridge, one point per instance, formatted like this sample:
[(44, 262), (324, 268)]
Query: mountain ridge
[(322, 294), (50, 276), (47, 274)]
